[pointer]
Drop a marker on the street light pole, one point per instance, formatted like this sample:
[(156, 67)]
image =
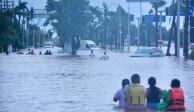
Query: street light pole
[(119, 27), (33, 35), (160, 25), (140, 3), (138, 33), (39, 36), (178, 28), (129, 37)]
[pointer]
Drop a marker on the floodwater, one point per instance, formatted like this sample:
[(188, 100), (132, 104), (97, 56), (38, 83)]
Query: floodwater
[(61, 83)]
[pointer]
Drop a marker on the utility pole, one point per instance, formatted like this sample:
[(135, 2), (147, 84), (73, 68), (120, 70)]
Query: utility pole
[(146, 38), (120, 32), (39, 36), (140, 6), (160, 40), (138, 32), (129, 21), (27, 32), (23, 33), (33, 35), (160, 24), (178, 28)]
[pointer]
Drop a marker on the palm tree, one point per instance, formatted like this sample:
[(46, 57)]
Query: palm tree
[(22, 10), (156, 6), (186, 27)]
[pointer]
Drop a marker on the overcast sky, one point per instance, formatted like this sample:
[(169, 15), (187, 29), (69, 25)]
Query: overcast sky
[(134, 7)]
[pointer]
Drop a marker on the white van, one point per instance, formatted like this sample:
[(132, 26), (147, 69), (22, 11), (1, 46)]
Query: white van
[(48, 44), (88, 45)]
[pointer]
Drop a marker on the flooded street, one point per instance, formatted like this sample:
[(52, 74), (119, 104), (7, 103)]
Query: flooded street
[(60, 83)]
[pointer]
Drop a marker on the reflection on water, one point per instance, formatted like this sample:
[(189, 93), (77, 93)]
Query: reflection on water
[(60, 83)]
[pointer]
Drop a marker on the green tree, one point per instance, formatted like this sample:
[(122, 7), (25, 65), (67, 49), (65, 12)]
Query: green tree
[(21, 10), (70, 20)]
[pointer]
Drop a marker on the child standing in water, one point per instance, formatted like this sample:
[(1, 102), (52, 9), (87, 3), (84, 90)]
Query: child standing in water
[(176, 97), (120, 95)]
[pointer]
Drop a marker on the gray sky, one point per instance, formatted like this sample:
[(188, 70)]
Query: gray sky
[(134, 7)]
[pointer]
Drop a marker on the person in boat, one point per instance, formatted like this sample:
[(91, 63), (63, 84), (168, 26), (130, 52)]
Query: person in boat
[(135, 95), (92, 54), (120, 95), (153, 94), (176, 97), (104, 57)]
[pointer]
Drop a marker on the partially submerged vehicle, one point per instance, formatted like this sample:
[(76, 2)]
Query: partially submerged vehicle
[(148, 52)]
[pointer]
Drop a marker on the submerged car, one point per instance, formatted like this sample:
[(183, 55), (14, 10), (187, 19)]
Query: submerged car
[(148, 52)]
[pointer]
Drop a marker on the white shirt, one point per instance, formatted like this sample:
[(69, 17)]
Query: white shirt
[(121, 97)]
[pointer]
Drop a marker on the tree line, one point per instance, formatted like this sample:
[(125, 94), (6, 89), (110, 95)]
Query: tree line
[(16, 28), (74, 18)]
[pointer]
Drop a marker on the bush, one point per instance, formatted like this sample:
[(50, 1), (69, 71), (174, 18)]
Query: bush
[(192, 55)]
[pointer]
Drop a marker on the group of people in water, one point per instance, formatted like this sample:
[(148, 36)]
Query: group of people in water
[(31, 52), (104, 57), (48, 52), (134, 97)]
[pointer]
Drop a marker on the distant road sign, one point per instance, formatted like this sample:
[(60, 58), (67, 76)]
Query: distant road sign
[(152, 18), (143, 0)]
